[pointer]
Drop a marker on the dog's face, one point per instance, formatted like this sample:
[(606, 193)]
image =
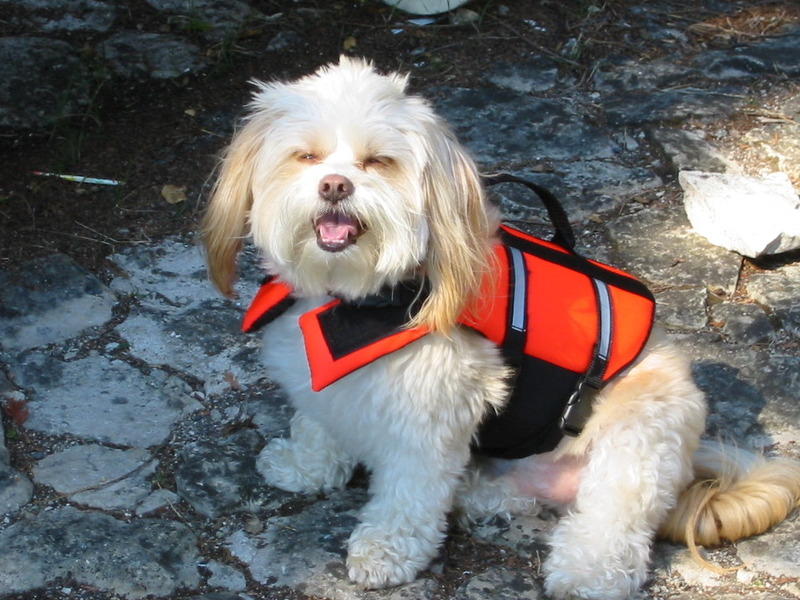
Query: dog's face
[(348, 184)]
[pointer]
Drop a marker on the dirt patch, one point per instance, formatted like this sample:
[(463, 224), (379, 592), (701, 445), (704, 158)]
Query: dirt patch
[(155, 134)]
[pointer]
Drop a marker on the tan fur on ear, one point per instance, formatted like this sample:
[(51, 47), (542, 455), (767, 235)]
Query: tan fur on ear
[(224, 225), (461, 228)]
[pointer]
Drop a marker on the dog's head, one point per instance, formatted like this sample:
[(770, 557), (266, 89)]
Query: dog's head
[(347, 184)]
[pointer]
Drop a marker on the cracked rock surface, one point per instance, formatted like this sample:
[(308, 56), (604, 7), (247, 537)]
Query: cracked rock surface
[(135, 407)]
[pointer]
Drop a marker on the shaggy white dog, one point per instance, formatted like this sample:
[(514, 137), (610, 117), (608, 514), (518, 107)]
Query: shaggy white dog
[(349, 187)]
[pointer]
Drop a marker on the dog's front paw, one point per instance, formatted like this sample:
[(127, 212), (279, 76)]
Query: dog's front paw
[(282, 466), (378, 559)]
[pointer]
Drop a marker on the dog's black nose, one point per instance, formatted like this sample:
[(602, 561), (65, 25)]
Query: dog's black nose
[(334, 188)]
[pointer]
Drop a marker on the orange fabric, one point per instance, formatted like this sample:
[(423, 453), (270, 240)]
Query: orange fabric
[(325, 369), (562, 318), (268, 296), (633, 318)]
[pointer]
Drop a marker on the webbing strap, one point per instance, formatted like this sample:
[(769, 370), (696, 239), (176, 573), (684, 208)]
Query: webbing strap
[(579, 406), (564, 236)]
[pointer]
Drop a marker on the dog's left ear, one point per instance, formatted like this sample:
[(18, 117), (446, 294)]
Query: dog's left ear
[(461, 230), (224, 225)]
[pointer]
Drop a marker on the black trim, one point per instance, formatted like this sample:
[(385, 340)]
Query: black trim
[(564, 236), (575, 262)]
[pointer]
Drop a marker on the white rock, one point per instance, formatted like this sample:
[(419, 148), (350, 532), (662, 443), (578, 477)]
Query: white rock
[(750, 215), (425, 7)]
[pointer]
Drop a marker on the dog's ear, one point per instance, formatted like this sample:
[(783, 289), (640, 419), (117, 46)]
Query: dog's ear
[(461, 230), (224, 225)]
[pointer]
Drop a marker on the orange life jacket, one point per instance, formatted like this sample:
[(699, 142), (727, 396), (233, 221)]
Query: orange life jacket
[(562, 321)]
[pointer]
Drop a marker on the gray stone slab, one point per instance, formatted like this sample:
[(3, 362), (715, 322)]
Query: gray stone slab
[(155, 501), (205, 341), (50, 300), (746, 323), (659, 245), (524, 534), (226, 577), (219, 476), (306, 551), (776, 552), (170, 273), (501, 583), (100, 477), (502, 125), (41, 81), (182, 321), (141, 55), (770, 56), (57, 16), (691, 151), (101, 399), (752, 393), (585, 188), (618, 77), (682, 309), (537, 74), (639, 108), (779, 290), (133, 560), (216, 19), (16, 489)]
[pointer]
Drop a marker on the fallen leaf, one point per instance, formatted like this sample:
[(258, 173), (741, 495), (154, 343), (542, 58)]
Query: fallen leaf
[(349, 43), (231, 380), (173, 194), (17, 410)]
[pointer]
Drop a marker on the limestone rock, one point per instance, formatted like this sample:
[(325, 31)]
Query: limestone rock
[(49, 300), (101, 477), (137, 55), (15, 489), (43, 80), (750, 215), (137, 559), (104, 400)]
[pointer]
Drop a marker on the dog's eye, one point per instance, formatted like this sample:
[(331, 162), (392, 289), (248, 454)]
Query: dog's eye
[(306, 157), (377, 162)]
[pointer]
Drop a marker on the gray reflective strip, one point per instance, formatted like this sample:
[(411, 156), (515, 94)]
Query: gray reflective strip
[(604, 305), (519, 301)]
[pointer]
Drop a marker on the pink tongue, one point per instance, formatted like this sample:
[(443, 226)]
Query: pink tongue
[(336, 228)]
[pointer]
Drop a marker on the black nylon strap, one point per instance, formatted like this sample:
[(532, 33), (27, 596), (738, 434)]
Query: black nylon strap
[(564, 236)]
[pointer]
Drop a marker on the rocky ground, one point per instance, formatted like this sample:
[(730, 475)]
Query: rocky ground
[(133, 407)]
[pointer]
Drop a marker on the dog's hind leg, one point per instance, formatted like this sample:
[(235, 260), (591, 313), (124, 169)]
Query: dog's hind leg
[(309, 461), (639, 444)]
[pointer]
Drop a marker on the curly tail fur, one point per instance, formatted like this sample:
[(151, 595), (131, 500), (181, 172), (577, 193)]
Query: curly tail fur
[(737, 493)]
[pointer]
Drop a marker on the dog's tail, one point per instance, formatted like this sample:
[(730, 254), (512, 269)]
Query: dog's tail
[(737, 493)]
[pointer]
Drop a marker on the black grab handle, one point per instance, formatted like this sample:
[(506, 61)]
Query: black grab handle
[(564, 236)]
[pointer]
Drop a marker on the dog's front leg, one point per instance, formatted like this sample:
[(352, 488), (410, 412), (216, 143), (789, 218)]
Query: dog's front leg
[(403, 524), (309, 461)]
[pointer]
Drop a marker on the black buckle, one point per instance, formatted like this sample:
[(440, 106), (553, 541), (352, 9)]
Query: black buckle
[(578, 409)]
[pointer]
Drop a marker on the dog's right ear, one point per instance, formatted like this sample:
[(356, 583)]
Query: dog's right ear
[(224, 226)]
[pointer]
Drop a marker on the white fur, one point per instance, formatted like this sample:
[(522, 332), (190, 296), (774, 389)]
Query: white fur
[(410, 416)]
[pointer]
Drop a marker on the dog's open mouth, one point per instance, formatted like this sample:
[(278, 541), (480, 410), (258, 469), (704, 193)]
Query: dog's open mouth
[(337, 231)]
